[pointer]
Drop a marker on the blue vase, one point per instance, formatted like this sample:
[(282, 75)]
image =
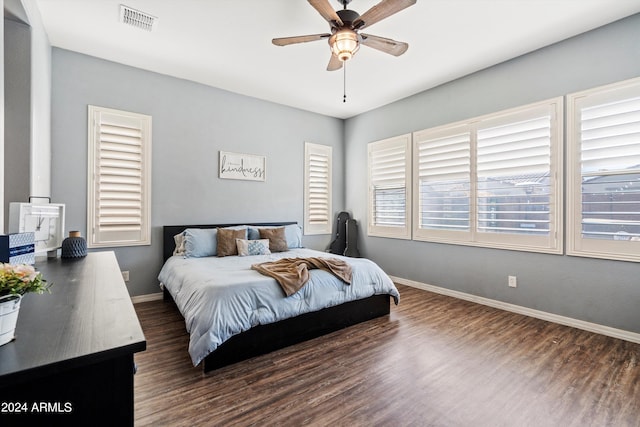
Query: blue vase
[(74, 246)]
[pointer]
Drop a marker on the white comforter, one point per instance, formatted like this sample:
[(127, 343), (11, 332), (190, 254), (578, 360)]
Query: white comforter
[(221, 297)]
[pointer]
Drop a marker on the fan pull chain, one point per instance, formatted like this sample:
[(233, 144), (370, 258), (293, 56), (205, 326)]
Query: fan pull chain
[(344, 81)]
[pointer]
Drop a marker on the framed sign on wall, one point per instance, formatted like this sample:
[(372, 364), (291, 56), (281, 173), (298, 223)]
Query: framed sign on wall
[(242, 166)]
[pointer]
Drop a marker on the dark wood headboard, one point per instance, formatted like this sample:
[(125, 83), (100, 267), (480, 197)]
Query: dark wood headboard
[(168, 231)]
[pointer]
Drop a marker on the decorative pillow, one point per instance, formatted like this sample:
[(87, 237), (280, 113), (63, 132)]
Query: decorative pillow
[(227, 241), (253, 247), (292, 233), (277, 240), (200, 242), (179, 241)]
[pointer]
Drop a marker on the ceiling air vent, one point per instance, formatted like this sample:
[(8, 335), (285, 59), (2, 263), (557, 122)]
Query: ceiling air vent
[(137, 18)]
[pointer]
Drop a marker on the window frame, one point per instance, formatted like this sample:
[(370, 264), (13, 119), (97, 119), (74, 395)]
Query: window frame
[(142, 236), (553, 242), (311, 228), (374, 229), (577, 245)]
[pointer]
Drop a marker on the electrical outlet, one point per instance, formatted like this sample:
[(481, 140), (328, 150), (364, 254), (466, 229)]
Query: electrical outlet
[(513, 282), (125, 276)]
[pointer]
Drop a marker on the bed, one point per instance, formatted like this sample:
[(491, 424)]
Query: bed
[(232, 312)]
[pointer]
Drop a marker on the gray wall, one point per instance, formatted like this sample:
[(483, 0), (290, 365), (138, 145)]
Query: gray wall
[(599, 291), (17, 113), (191, 123)]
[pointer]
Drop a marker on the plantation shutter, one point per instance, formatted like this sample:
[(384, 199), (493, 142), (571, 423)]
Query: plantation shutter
[(604, 150), (444, 174), (120, 144), (610, 170), (318, 211), (513, 177), (492, 181), (389, 175)]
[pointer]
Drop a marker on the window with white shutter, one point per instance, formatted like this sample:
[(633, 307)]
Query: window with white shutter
[(318, 217), (442, 169), (119, 182), (518, 192), (493, 180), (604, 171), (389, 184)]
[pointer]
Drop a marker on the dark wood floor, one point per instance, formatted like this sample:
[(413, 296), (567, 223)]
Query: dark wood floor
[(434, 361)]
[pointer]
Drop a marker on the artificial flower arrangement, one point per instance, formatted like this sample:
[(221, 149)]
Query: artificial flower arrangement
[(20, 279)]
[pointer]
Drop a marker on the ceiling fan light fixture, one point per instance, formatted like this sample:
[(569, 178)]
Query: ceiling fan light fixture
[(344, 44)]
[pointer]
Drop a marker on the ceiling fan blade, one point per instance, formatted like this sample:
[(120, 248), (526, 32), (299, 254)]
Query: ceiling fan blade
[(334, 63), (380, 11), (392, 47), (284, 41), (324, 8)]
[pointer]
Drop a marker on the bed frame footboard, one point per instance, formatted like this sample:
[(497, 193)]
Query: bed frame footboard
[(263, 339)]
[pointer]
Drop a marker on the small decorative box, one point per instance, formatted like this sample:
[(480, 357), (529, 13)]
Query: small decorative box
[(18, 248)]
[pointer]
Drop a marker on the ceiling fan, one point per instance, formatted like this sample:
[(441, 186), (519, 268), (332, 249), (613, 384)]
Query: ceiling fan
[(345, 39)]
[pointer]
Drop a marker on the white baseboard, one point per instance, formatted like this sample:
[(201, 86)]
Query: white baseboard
[(550, 317), (146, 298)]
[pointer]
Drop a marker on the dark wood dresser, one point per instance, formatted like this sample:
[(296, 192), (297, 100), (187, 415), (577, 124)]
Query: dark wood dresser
[(72, 361)]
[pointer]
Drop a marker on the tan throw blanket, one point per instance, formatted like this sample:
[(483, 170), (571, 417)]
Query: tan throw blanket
[(293, 273)]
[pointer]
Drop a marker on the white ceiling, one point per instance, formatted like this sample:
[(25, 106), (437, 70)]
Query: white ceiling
[(227, 43)]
